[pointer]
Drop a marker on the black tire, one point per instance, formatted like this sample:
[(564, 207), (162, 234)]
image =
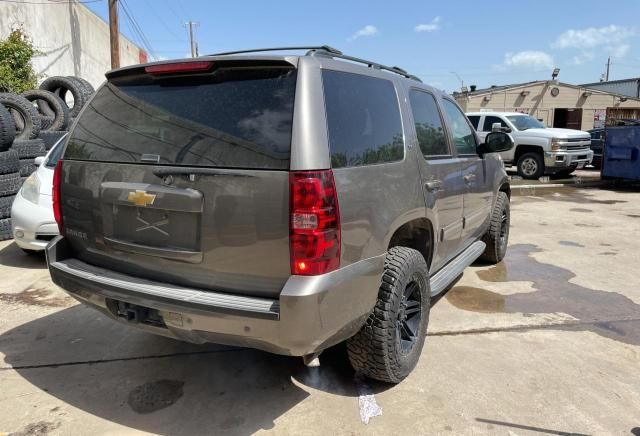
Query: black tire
[(27, 167), (530, 166), (88, 87), (497, 236), (50, 138), (10, 184), (5, 206), (7, 128), (29, 148), (60, 85), (378, 350), (9, 162), (54, 104), (26, 116), (6, 231)]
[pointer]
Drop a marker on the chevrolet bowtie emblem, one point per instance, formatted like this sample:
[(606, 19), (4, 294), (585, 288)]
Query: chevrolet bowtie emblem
[(141, 198)]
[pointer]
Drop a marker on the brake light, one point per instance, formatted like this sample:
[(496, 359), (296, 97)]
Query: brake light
[(314, 238), (178, 67), (57, 205)]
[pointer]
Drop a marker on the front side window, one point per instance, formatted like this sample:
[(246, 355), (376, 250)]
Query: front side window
[(429, 130), (461, 132), (363, 119), (489, 121)]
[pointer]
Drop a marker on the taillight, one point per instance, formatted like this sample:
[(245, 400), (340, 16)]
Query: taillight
[(315, 223), (57, 205), (178, 67)]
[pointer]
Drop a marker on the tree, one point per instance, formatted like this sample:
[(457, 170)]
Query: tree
[(16, 72)]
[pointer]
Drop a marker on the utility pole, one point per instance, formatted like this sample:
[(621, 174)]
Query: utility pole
[(606, 76), (114, 37), (194, 45)]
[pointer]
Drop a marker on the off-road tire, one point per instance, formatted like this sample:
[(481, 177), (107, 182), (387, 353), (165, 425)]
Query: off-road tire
[(27, 167), (5, 206), (6, 231), (525, 171), (9, 162), (10, 184), (26, 117), (48, 100), (497, 236), (60, 85), (376, 351), (88, 87), (29, 149), (50, 138), (7, 128)]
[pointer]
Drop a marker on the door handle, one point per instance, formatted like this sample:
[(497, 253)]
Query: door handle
[(469, 178), (433, 185)]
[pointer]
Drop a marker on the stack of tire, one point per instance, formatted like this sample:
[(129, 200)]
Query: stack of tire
[(30, 124)]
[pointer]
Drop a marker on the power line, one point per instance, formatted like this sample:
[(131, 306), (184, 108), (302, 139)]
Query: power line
[(137, 29)]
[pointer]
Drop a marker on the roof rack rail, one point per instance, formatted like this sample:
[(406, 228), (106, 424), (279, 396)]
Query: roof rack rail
[(327, 51), (325, 48)]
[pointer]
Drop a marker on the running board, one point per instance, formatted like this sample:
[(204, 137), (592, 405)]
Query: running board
[(440, 280)]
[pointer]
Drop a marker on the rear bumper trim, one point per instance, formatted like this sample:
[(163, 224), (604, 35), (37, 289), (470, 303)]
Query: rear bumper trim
[(121, 286)]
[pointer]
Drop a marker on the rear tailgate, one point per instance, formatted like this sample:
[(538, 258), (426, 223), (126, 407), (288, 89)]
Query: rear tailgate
[(183, 178)]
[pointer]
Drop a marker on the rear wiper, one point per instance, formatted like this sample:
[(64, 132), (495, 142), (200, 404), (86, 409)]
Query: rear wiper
[(185, 171)]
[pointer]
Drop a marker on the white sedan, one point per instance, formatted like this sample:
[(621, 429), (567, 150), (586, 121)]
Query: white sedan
[(32, 211)]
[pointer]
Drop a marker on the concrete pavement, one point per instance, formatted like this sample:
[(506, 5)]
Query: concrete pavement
[(547, 342)]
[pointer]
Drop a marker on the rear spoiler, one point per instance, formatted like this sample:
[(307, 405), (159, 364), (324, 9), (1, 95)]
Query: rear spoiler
[(197, 65)]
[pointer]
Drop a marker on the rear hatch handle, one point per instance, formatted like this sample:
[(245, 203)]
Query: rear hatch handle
[(191, 172)]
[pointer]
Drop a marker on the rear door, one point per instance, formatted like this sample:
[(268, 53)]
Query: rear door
[(441, 175), (478, 192), (183, 177)]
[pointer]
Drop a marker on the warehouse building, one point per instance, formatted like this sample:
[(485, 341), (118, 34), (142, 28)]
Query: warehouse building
[(628, 87), (555, 103), (72, 40)]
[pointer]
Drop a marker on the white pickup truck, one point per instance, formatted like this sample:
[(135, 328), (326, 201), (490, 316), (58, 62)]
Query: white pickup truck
[(538, 150)]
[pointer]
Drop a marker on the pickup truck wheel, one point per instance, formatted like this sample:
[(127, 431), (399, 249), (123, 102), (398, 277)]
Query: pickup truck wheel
[(530, 166), (497, 236), (388, 346)]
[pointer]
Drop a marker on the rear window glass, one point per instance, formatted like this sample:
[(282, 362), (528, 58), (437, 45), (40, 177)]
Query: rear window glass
[(363, 118), (234, 117)]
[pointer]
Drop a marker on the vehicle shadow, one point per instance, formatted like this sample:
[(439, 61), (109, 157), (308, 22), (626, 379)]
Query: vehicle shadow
[(12, 255), (164, 386)]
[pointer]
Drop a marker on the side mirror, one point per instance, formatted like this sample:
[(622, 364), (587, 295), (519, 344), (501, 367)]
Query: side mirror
[(497, 127), (38, 161), (496, 142)]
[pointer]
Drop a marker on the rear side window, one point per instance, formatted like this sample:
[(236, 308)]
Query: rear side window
[(363, 118), (426, 117), (234, 117), (474, 119), (490, 120)]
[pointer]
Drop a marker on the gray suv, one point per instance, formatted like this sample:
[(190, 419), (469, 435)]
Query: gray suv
[(285, 203)]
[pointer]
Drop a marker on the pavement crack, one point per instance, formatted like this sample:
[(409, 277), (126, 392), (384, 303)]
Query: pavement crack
[(518, 328), (120, 359)]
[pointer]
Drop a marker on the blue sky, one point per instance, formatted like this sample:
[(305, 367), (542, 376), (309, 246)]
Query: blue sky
[(485, 43)]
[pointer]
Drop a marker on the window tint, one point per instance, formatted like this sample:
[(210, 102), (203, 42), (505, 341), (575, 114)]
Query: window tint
[(474, 119), (234, 117), (490, 120), (461, 132), (426, 117), (363, 119)]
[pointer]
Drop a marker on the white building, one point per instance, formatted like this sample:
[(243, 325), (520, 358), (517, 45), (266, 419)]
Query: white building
[(72, 39)]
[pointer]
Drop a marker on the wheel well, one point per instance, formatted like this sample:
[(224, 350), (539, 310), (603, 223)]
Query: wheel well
[(506, 188), (522, 149), (416, 234)]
